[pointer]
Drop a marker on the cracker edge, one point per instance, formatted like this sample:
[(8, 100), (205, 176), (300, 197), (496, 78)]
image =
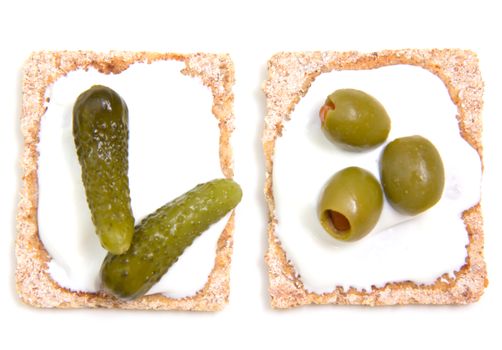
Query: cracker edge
[(34, 285), (290, 75)]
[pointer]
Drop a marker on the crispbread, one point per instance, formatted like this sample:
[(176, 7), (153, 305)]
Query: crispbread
[(34, 284), (290, 75)]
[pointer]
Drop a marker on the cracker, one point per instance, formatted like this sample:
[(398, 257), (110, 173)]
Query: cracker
[(290, 75), (33, 282)]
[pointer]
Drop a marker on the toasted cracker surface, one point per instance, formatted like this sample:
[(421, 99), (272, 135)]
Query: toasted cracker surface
[(290, 75), (34, 284)]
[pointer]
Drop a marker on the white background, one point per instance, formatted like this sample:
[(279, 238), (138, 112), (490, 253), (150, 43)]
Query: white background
[(251, 33)]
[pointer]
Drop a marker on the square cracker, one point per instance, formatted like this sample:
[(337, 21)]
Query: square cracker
[(33, 282), (290, 74)]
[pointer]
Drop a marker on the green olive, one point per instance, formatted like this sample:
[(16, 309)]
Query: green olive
[(354, 118), (351, 204), (412, 174)]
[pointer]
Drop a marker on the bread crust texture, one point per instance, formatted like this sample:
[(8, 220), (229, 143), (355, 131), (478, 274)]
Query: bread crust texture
[(290, 75), (34, 284)]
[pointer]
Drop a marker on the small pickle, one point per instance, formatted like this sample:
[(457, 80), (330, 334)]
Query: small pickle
[(351, 204), (355, 119), (100, 131), (162, 237), (412, 174)]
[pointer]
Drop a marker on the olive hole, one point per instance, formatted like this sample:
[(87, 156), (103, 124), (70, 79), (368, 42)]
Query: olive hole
[(337, 221)]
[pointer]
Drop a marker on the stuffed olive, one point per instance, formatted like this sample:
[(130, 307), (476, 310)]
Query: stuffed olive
[(350, 204), (412, 174), (353, 118)]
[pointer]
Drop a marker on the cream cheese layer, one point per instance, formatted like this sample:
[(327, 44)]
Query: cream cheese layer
[(400, 248), (173, 146)]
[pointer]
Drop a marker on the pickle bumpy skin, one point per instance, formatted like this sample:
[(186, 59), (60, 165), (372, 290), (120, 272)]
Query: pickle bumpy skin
[(100, 131), (162, 237)]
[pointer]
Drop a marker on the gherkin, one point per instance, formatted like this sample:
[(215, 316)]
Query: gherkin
[(100, 132), (162, 237)]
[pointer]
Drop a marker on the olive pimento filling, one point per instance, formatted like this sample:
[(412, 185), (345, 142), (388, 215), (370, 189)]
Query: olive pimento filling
[(328, 106), (337, 221)]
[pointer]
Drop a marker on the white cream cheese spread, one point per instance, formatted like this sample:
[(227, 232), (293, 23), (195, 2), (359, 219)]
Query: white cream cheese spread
[(173, 146), (400, 248)]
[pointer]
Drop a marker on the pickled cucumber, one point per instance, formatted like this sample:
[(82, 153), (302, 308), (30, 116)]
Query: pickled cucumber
[(100, 131), (163, 236)]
